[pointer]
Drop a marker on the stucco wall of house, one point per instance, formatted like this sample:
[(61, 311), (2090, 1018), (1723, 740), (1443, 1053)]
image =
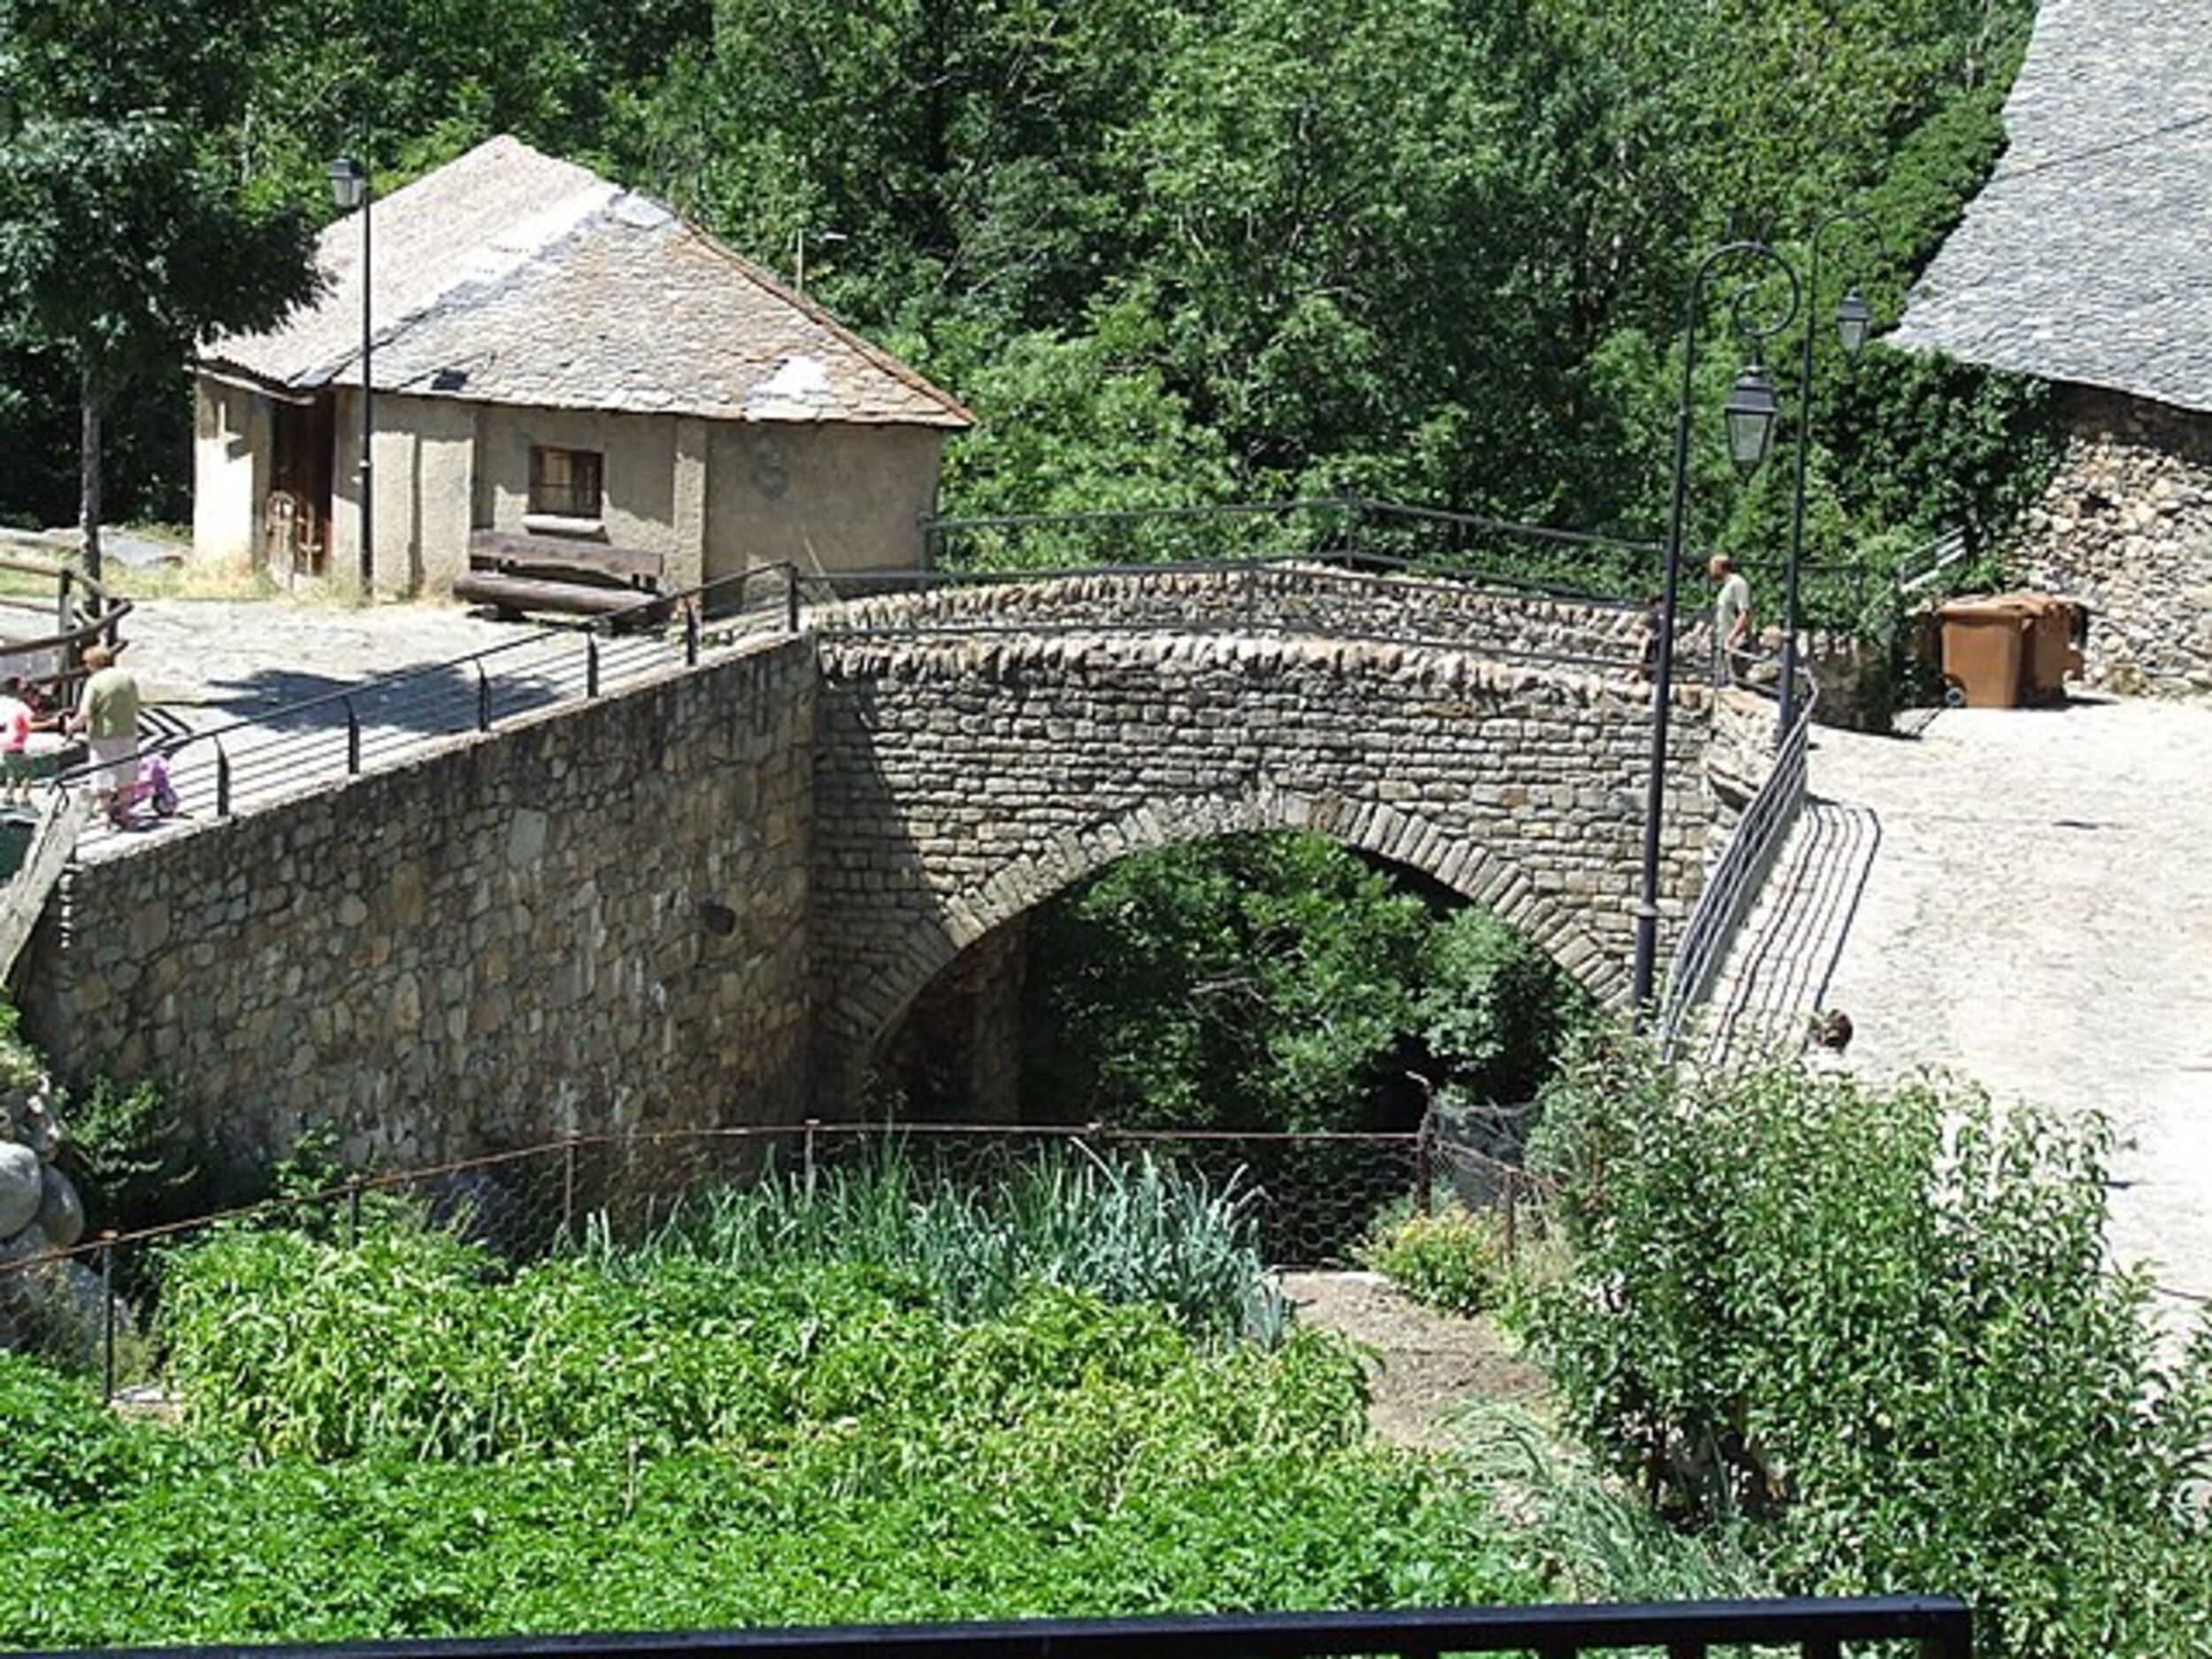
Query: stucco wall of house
[(502, 941), (230, 468), (712, 498), (824, 497), (422, 480), (2126, 525), (639, 461)]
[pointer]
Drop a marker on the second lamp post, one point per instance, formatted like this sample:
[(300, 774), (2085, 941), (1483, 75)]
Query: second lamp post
[(1855, 319), (350, 190), (1750, 414)]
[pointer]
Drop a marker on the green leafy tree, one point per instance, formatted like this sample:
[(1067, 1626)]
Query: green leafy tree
[(1256, 982), (1276, 982), (123, 236)]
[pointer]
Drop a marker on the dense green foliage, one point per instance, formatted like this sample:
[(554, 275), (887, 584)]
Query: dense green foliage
[(1875, 1331), (1179, 250), (277, 1339), (408, 1437), (129, 226), (1277, 982)]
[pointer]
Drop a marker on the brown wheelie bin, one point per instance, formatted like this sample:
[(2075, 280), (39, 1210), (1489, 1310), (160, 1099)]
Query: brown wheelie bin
[(1986, 649), (2055, 625)]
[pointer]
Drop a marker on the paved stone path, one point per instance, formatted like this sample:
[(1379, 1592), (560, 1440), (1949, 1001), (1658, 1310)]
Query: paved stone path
[(2024, 897), (253, 672)]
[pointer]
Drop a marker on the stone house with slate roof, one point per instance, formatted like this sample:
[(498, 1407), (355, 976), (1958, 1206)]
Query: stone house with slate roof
[(555, 355), (2086, 261)]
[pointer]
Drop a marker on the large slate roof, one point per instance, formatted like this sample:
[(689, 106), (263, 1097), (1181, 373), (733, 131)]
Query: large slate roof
[(2088, 257), (510, 277)]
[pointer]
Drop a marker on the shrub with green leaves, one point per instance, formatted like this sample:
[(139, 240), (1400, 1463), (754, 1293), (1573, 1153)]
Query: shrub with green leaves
[(1878, 1325), (412, 1342), (1452, 1261), (61, 1446)]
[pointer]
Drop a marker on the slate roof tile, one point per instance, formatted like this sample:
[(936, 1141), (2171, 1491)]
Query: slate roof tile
[(510, 277), (2087, 256)]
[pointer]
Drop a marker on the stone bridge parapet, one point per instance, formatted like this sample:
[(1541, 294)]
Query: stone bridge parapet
[(1291, 598)]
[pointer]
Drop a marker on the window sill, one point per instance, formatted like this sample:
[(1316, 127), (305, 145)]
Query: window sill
[(560, 524)]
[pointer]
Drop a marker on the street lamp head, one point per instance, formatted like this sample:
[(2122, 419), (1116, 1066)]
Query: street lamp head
[(349, 184), (1750, 412), (1854, 320)]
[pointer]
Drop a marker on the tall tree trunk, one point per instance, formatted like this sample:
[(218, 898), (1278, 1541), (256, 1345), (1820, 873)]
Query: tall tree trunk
[(88, 474)]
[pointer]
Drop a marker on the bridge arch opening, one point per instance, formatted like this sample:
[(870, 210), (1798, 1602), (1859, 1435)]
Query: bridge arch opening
[(1010, 1007)]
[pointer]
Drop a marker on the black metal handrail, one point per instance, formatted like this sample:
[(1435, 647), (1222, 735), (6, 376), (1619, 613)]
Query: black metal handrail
[(1942, 1627), (1347, 563), (1341, 519), (423, 693), (1736, 878)]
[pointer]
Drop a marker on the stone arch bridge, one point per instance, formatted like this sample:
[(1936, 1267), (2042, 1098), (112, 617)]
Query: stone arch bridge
[(709, 897)]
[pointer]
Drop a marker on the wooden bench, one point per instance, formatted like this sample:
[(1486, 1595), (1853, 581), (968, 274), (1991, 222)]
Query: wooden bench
[(518, 573)]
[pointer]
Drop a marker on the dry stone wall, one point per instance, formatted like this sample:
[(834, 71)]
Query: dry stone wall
[(592, 920), (2127, 526), (1289, 599), (960, 781)]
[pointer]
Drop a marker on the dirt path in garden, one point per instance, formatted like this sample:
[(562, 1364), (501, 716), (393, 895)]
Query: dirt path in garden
[(1425, 1364)]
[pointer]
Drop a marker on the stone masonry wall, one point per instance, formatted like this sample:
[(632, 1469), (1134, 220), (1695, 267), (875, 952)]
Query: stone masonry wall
[(1304, 600), (2127, 526), (960, 781), (508, 939)]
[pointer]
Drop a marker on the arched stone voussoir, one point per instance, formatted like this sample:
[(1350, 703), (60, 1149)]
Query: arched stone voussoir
[(1391, 832)]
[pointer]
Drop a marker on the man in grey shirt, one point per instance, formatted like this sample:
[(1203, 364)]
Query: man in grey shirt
[(1732, 621)]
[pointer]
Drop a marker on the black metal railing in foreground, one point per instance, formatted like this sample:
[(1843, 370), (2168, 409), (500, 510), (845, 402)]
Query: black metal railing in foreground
[(1933, 1627), (1735, 880)]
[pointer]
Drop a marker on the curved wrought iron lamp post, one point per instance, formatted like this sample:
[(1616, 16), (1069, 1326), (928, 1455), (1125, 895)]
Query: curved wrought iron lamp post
[(350, 189), (1750, 414), (1854, 320)]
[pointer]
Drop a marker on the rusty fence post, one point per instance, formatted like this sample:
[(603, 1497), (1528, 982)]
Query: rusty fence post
[(568, 1190), (107, 1317), (1512, 1197)]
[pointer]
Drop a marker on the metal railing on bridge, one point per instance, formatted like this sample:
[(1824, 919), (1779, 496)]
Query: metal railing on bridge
[(1364, 598), (1734, 883), (1933, 1627), (1354, 531), (356, 728)]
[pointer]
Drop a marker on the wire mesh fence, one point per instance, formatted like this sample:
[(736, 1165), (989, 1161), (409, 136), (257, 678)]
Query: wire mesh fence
[(1301, 1201)]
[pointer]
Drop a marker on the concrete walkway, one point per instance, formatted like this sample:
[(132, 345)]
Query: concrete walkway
[(2025, 898)]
